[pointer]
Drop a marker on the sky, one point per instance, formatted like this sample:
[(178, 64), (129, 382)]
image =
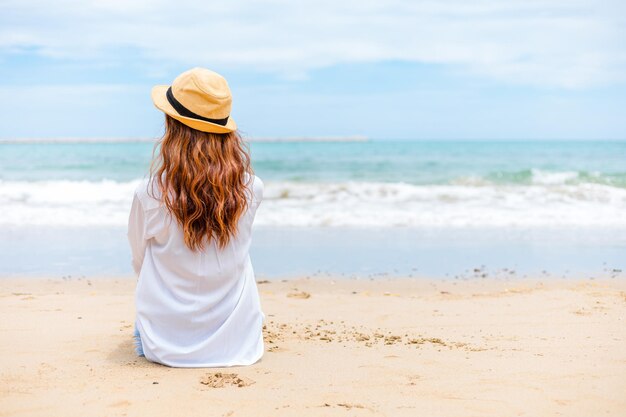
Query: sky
[(395, 69)]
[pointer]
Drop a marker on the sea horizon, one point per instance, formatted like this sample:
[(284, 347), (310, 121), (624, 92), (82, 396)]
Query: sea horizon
[(306, 138)]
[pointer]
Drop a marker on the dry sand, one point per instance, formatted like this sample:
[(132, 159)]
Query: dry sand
[(333, 348)]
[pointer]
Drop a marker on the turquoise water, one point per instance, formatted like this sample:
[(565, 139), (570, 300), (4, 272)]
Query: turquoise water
[(380, 207), (418, 162), (344, 184)]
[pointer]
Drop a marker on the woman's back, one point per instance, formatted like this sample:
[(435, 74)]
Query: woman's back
[(190, 231), (195, 308)]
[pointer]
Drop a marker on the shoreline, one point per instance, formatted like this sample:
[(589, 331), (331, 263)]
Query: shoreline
[(387, 346), (345, 252)]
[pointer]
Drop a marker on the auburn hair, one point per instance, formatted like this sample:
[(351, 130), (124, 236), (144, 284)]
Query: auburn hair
[(204, 180)]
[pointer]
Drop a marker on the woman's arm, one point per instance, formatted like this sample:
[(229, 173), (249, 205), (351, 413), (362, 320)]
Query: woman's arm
[(136, 234), (258, 188)]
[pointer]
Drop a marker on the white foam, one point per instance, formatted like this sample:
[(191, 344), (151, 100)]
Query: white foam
[(552, 178), (383, 204), (60, 203), (352, 204)]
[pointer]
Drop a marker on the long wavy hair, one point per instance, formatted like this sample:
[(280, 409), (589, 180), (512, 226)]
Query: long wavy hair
[(203, 182)]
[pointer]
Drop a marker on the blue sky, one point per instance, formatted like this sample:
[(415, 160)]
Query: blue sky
[(445, 69)]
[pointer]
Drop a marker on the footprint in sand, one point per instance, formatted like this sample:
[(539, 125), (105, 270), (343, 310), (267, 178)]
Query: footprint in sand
[(221, 380), (299, 294), (123, 403), (349, 405)]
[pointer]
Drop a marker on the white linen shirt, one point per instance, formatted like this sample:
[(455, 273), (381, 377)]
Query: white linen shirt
[(194, 308)]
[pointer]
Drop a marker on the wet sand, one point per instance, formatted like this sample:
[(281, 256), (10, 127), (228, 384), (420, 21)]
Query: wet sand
[(359, 347)]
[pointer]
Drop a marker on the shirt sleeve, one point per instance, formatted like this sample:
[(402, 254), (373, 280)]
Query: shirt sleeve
[(136, 234), (258, 188)]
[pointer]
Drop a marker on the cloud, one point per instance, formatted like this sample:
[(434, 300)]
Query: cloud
[(549, 43)]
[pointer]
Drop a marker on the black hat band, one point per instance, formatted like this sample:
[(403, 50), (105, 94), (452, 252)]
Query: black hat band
[(184, 111)]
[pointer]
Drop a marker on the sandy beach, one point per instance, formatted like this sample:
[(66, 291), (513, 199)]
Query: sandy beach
[(389, 347)]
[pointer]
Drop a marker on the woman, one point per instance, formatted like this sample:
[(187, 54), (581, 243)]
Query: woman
[(189, 231)]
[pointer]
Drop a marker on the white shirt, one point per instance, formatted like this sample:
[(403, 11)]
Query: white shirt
[(194, 308)]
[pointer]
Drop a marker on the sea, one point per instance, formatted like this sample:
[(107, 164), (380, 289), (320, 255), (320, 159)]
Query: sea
[(370, 208)]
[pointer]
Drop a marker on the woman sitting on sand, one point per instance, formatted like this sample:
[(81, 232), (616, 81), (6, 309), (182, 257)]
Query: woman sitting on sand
[(189, 231)]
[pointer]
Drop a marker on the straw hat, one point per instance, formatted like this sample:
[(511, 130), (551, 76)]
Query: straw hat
[(198, 98)]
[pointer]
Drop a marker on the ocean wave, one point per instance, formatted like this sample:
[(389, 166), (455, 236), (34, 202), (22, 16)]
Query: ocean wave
[(554, 178), (535, 176), (546, 201), (64, 202)]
